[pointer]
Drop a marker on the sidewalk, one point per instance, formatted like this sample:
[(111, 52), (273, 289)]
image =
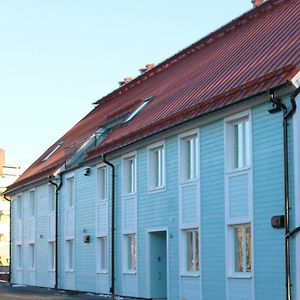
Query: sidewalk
[(16, 292)]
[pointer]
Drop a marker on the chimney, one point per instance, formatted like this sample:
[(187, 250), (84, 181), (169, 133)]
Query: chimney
[(2, 160), (125, 81), (146, 68), (257, 2)]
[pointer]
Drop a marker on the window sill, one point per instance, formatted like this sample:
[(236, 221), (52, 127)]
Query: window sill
[(157, 190), (196, 275), (189, 181), (238, 170), (51, 271), (129, 273), (102, 272), (69, 271), (240, 276), (102, 200), (129, 195)]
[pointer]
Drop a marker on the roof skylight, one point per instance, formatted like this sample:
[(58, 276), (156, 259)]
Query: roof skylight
[(137, 110), (53, 151)]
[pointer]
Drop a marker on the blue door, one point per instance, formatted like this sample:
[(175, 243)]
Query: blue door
[(158, 264)]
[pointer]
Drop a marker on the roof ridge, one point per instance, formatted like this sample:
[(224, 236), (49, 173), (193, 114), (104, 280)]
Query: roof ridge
[(198, 45)]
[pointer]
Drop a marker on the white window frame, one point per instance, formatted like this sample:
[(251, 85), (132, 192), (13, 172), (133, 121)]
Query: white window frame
[(51, 256), (134, 257), (160, 175), (232, 249), (244, 152), (52, 152), (184, 176), (69, 249), (102, 183), (100, 268), (184, 241), (138, 109), (125, 174)]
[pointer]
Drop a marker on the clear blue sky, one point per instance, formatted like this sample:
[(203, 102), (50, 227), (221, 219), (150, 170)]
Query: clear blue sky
[(59, 56)]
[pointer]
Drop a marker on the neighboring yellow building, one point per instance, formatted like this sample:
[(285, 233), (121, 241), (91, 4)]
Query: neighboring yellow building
[(8, 174)]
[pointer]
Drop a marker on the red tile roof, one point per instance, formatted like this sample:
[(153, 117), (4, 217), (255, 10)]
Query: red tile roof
[(253, 53)]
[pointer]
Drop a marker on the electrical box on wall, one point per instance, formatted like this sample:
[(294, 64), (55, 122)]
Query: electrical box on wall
[(277, 221), (86, 238)]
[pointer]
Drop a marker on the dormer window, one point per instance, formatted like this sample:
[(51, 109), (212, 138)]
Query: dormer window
[(137, 110), (53, 151)]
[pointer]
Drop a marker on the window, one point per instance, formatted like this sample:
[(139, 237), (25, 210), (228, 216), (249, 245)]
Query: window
[(130, 250), (19, 257), (191, 250), (31, 257), (129, 176), (242, 248), (32, 203), (103, 254), (136, 111), (51, 256), (239, 143), (156, 167), (189, 157), (70, 192), (51, 198), (53, 151), (102, 183), (69, 255), (19, 207)]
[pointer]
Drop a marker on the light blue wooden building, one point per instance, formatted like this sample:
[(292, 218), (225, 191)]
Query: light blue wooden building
[(183, 184)]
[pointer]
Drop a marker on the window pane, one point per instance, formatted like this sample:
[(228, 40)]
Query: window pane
[(235, 146), (157, 161), (51, 256), (156, 168), (129, 176), (238, 253), (32, 203), (70, 191), (197, 250), (19, 256), (189, 251), (51, 198), (103, 253), (32, 258), (102, 172), (188, 160), (247, 143), (131, 252), (248, 248), (241, 144), (19, 207), (70, 254)]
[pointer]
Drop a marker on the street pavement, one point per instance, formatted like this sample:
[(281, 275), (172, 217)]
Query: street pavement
[(16, 292)]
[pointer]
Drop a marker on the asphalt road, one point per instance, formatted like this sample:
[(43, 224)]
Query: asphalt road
[(16, 292)]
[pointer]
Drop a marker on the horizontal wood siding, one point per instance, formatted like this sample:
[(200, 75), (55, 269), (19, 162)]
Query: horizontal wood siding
[(85, 220), (238, 196), (268, 201), (212, 226), (159, 210)]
